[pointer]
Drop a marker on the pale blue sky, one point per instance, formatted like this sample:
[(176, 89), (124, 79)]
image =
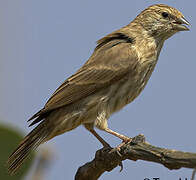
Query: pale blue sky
[(44, 42)]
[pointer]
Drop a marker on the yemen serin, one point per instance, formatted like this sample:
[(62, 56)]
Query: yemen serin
[(113, 77)]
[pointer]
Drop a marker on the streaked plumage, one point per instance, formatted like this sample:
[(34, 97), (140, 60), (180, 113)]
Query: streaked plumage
[(114, 76)]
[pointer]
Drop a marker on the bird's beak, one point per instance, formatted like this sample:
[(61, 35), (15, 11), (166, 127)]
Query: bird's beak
[(179, 24)]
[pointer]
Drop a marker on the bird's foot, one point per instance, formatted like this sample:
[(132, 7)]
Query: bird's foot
[(117, 149)]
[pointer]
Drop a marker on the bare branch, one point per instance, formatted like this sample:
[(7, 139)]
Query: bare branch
[(137, 149)]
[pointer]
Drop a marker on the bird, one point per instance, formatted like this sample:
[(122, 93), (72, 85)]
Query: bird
[(113, 76)]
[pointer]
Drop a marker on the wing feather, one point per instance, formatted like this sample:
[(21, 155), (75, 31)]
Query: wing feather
[(109, 63), (109, 67)]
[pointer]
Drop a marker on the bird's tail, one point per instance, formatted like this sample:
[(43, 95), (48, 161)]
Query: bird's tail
[(36, 137)]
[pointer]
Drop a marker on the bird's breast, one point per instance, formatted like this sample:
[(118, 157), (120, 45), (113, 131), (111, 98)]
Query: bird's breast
[(127, 89)]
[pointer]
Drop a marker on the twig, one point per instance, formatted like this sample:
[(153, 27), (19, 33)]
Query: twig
[(137, 149)]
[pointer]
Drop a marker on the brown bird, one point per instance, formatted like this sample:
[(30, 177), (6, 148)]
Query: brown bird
[(114, 76)]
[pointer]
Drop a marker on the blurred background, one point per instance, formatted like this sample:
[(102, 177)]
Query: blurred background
[(43, 42)]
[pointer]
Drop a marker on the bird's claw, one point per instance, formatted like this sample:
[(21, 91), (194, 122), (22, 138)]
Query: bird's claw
[(118, 148), (121, 166)]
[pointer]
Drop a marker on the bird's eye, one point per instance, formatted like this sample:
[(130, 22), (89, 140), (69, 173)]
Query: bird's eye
[(165, 14)]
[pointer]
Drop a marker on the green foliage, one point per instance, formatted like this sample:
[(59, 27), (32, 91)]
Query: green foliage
[(9, 139)]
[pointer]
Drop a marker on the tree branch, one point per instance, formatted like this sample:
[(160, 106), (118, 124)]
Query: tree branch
[(137, 149)]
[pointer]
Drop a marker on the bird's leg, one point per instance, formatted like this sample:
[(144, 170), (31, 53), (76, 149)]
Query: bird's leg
[(123, 137), (101, 140)]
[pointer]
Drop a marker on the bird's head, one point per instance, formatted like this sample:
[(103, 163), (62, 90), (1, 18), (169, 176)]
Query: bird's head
[(162, 21)]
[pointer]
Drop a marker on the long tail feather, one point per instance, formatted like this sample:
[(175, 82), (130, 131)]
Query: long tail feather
[(36, 137)]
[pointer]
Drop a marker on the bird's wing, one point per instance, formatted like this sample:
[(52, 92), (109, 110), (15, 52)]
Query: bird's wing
[(110, 62)]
